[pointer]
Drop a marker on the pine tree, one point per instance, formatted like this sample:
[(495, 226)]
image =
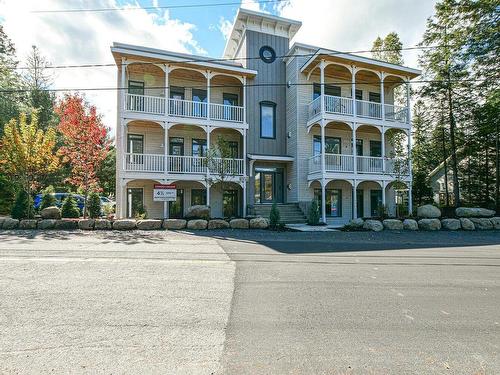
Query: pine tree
[(23, 206), (48, 198), (94, 205), (70, 208)]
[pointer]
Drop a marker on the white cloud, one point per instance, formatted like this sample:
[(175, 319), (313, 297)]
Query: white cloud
[(348, 25), (225, 26), (253, 5), (76, 38)]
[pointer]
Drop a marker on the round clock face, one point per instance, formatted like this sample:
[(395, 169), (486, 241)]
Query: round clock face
[(267, 54)]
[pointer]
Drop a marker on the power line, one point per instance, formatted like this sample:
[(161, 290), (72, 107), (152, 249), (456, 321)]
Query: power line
[(222, 59), (228, 86), (205, 5)]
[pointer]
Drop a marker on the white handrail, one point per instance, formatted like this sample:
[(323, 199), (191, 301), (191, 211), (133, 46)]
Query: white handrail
[(368, 109), (144, 162), (369, 164), (338, 104), (396, 113), (314, 107), (224, 112), (145, 104), (315, 164), (187, 108), (226, 166)]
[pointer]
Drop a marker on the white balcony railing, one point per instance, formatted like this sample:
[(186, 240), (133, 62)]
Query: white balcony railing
[(315, 107), (144, 163), (333, 163), (368, 109), (369, 164), (182, 164), (145, 104), (396, 113), (223, 112), (338, 104), (158, 105)]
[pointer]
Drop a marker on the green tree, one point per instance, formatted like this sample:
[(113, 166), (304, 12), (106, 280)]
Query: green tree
[(70, 208), (274, 217), (388, 49), (94, 205), (314, 215), (48, 198), (106, 173), (23, 206)]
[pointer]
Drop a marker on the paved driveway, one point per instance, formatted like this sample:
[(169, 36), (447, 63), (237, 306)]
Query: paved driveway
[(250, 302)]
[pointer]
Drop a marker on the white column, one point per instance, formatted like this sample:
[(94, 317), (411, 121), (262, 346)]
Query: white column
[(208, 95), (354, 200), (123, 200), (243, 101), (383, 148), (322, 83), (167, 89), (353, 91), (123, 84), (408, 99), (354, 153), (384, 185), (245, 172), (208, 170), (410, 200), (323, 170), (382, 95)]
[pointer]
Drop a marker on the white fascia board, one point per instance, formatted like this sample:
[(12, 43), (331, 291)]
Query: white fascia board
[(270, 157), (180, 58)]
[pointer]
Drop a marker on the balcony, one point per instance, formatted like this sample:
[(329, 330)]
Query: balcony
[(340, 105), (155, 163), (340, 163), (157, 105)]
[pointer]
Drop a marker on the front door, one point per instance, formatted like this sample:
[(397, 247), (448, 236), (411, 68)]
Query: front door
[(135, 202), (360, 209), (269, 186)]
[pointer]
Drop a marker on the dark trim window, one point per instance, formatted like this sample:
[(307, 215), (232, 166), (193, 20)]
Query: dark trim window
[(332, 145), (135, 143), (359, 147), (375, 202), (198, 197), (229, 99), (329, 90), (199, 147), (136, 87), (376, 148), (233, 149), (230, 203), (333, 201), (176, 146), (177, 92), (359, 94), (374, 97), (176, 209), (267, 120), (267, 54)]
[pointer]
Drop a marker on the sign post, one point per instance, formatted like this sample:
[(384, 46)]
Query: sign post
[(164, 193)]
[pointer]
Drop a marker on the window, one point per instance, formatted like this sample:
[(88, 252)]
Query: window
[(199, 147), (359, 94), (198, 197), (359, 147), (329, 90), (199, 97), (267, 54), (332, 145), (176, 146), (136, 87), (233, 149), (375, 202), (135, 202), (333, 201), (176, 209), (267, 120), (230, 203), (376, 149), (135, 143), (230, 99), (177, 92), (374, 97)]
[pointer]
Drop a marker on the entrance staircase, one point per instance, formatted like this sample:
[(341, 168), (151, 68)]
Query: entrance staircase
[(290, 213)]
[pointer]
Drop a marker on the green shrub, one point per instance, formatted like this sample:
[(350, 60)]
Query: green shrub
[(69, 208), (94, 205), (23, 206), (274, 217), (313, 217), (48, 198), (141, 213)]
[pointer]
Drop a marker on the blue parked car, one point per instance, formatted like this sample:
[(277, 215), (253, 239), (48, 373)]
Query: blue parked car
[(60, 197)]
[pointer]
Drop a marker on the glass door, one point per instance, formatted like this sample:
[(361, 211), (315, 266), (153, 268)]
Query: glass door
[(199, 100), (135, 149), (360, 209), (135, 202), (267, 187)]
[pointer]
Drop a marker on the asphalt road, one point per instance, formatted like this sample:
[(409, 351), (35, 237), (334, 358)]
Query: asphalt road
[(250, 303)]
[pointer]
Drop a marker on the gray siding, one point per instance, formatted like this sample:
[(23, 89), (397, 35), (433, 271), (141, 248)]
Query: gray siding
[(273, 73)]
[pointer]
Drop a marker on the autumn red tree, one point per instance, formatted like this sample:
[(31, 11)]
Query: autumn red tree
[(85, 142)]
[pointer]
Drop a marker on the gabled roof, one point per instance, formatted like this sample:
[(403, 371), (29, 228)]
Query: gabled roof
[(262, 22)]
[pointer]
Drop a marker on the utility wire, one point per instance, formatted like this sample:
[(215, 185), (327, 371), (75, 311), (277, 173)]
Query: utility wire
[(204, 5), (229, 86), (207, 60)]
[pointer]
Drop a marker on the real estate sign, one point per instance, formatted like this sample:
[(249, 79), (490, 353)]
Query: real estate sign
[(164, 193)]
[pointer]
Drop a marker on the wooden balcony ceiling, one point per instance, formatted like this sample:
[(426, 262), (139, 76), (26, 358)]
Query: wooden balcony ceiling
[(144, 124)]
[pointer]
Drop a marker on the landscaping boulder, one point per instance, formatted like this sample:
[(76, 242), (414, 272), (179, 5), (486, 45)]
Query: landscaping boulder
[(86, 224), (197, 224), (429, 224), (47, 224), (482, 223), (27, 224), (466, 224), (239, 224), (124, 224), (218, 224), (410, 224), (428, 211), (174, 224), (10, 223), (149, 224), (450, 224), (259, 223), (102, 224), (66, 224), (356, 223), (198, 212), (2, 219), (373, 225), (496, 222), (473, 212), (393, 224), (51, 212)]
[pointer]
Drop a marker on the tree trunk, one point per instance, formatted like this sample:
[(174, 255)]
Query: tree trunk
[(454, 163), (445, 168), (497, 172)]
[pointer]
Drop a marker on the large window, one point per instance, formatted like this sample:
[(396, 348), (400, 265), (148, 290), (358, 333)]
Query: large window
[(359, 147), (374, 97), (375, 202), (376, 149), (135, 143), (267, 120), (198, 197), (329, 90), (136, 87), (333, 201), (176, 146), (135, 202), (332, 145), (230, 203), (199, 147)]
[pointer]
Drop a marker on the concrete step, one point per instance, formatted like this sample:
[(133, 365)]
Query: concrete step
[(290, 213)]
